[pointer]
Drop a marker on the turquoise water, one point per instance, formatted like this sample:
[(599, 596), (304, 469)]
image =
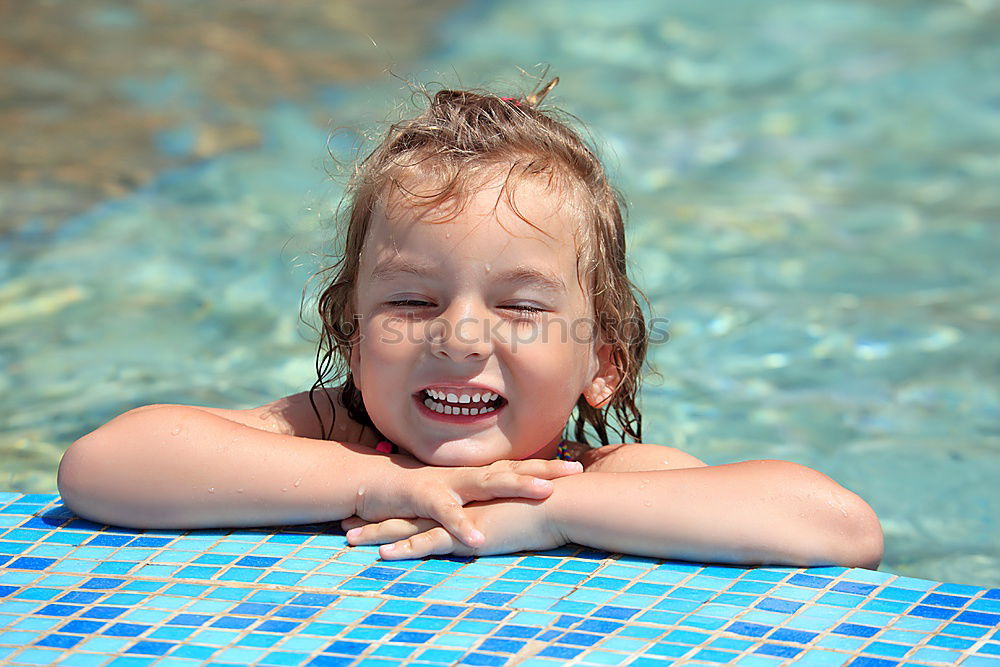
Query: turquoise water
[(813, 204)]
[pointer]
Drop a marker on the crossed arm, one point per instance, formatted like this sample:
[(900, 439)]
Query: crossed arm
[(186, 467), (657, 501)]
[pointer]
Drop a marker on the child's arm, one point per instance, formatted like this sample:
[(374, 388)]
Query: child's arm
[(752, 512), (174, 466)]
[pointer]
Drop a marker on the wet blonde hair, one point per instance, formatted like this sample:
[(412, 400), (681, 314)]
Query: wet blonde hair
[(461, 135)]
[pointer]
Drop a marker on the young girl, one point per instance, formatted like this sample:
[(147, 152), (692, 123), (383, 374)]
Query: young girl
[(480, 303)]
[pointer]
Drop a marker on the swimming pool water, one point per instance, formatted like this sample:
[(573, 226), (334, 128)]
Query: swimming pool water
[(812, 205)]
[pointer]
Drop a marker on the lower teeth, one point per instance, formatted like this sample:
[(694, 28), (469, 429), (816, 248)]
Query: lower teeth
[(440, 408)]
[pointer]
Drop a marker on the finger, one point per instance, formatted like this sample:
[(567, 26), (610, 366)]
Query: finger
[(436, 541), (543, 468), (452, 516), (487, 485), (390, 530)]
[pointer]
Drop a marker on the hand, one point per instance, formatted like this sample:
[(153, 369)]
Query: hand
[(509, 526), (428, 492)]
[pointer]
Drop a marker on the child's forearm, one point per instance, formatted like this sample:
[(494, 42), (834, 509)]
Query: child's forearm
[(753, 512), (182, 467)]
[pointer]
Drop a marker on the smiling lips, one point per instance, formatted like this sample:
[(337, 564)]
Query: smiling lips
[(465, 403)]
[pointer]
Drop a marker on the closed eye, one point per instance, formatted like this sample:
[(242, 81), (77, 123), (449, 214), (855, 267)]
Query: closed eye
[(409, 303), (525, 311)]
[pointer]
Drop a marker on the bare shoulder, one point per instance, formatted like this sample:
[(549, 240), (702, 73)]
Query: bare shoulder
[(300, 415), (636, 457)]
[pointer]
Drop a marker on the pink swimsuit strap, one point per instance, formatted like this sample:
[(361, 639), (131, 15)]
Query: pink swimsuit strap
[(385, 447)]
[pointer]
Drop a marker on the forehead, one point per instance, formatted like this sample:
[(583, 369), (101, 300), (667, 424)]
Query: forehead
[(530, 207)]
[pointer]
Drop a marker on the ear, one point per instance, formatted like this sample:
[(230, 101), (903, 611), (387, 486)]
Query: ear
[(605, 380)]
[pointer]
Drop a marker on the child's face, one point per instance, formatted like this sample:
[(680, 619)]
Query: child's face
[(458, 303)]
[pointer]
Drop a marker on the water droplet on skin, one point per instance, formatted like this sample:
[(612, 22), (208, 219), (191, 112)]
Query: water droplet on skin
[(648, 503), (297, 482), (211, 489), (239, 490), (488, 268), (284, 488), (177, 429)]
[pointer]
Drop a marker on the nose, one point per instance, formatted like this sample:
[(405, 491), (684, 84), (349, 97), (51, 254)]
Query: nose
[(460, 333)]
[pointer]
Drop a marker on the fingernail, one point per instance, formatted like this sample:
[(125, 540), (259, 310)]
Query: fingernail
[(477, 537), (542, 484), (573, 464), (388, 547), (353, 532)]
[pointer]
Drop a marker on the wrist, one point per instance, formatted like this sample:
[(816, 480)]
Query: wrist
[(557, 509)]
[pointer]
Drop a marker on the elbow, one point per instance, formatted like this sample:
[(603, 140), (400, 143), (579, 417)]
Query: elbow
[(835, 526), (862, 542), (77, 478)]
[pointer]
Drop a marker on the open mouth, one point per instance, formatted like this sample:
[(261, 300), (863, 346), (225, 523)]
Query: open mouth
[(471, 403)]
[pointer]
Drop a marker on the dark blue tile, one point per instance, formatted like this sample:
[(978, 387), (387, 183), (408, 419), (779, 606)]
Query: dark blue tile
[(778, 650), (941, 600), (607, 627), (592, 554), (992, 594), (863, 661), (748, 629), (277, 626), (80, 597), (147, 647), (579, 639), (608, 611), (100, 583), (189, 619), (925, 611), (257, 561), (330, 661), (487, 614), (233, 622), (29, 563), (385, 620), (497, 599), (346, 647), (779, 605), (410, 637), (83, 627), (502, 645), (563, 652), (443, 610), (381, 573), (809, 581), (790, 635), (101, 611), (59, 609), (59, 641), (548, 635), (253, 608), (104, 540), (408, 590), (854, 587), (855, 630), (978, 618), (38, 522), (315, 599), (7, 590), (483, 659), (126, 629), (520, 631), (567, 620)]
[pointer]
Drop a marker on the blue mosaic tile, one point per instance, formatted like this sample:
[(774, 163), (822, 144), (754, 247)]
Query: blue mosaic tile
[(118, 607)]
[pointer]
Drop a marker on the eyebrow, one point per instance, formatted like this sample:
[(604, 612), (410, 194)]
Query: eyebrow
[(391, 267)]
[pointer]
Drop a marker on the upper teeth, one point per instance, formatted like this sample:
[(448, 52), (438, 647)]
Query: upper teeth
[(462, 398)]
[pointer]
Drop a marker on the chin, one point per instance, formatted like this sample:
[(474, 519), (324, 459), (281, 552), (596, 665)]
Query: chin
[(455, 454)]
